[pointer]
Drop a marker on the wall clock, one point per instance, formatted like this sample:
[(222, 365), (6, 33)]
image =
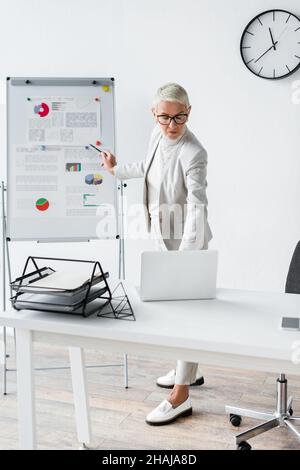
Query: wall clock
[(270, 44)]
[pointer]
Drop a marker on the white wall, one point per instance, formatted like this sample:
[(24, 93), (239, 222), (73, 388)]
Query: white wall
[(249, 126)]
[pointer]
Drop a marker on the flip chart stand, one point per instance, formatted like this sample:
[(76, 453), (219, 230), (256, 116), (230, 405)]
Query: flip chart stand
[(19, 89)]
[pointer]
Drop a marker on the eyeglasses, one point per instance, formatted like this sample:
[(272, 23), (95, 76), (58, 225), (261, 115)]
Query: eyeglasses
[(165, 120)]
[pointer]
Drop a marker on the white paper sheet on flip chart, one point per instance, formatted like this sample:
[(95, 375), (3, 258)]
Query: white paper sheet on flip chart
[(57, 182), (63, 120)]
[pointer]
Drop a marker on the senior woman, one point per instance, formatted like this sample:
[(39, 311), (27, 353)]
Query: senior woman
[(175, 200)]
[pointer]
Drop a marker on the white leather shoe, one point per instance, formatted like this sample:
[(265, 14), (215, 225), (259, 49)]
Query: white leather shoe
[(168, 380), (166, 414)]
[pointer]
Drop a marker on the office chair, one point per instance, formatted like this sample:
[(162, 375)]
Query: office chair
[(283, 416)]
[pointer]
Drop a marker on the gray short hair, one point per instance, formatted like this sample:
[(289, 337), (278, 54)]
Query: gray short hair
[(171, 92)]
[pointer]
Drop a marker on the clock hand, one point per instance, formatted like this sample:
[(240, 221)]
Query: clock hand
[(272, 47)]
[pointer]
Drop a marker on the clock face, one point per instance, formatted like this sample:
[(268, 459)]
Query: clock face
[(270, 44)]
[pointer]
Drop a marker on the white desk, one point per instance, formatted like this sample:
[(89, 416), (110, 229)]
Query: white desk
[(238, 329)]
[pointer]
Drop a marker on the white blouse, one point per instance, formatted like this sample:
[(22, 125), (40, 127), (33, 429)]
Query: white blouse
[(167, 148)]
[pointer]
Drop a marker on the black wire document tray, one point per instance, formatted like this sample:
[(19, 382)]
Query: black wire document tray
[(61, 291)]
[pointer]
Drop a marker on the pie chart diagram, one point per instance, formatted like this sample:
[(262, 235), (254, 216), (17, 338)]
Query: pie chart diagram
[(42, 109), (94, 179), (42, 204)]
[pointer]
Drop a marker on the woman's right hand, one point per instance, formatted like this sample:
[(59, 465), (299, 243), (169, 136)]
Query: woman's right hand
[(108, 160)]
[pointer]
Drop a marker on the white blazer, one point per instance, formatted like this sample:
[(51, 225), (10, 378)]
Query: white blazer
[(183, 183)]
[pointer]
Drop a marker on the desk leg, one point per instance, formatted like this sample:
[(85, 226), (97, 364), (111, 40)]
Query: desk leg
[(81, 402), (25, 387)]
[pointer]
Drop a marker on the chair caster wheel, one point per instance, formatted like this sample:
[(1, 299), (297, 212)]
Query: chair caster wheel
[(243, 446), (235, 420), (291, 411)]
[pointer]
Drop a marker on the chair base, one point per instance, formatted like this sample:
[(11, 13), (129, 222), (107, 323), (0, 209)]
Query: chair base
[(282, 417)]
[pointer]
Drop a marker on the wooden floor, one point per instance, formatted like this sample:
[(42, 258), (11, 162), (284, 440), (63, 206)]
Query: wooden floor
[(118, 415)]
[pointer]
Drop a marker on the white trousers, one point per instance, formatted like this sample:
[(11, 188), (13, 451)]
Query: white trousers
[(186, 372)]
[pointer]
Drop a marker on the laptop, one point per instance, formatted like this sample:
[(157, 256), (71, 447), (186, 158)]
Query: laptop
[(178, 275)]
